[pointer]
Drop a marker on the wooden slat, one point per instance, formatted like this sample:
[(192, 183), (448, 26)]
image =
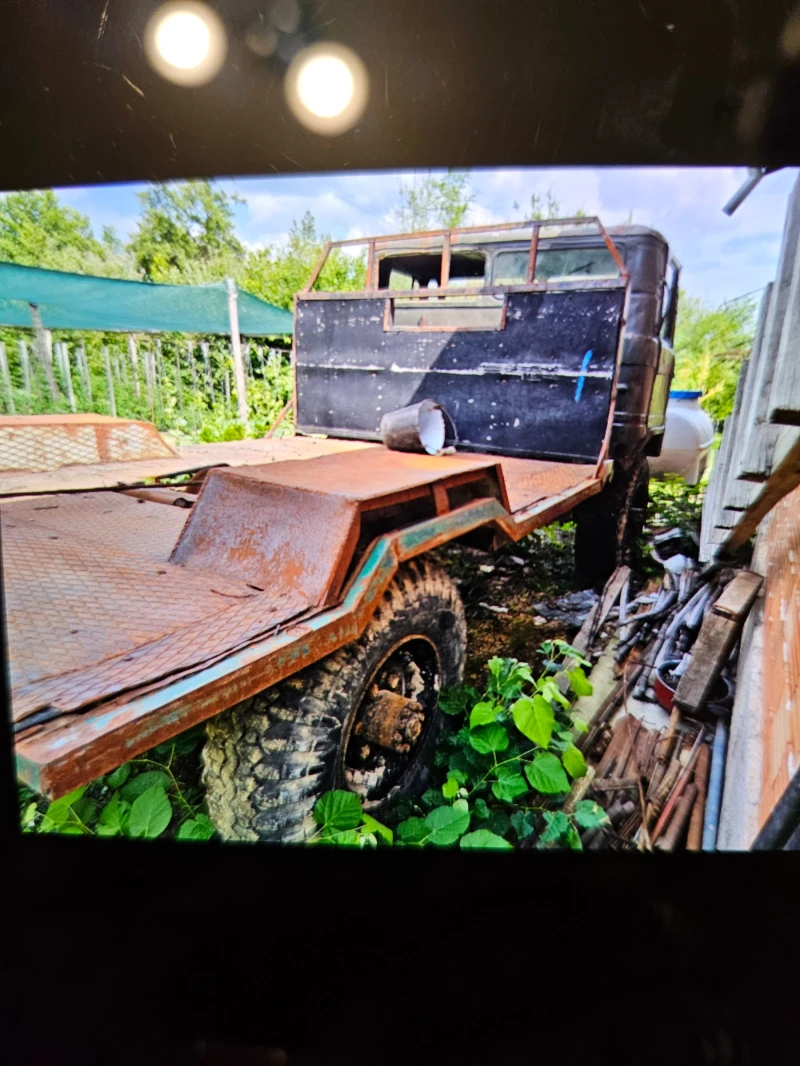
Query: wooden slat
[(758, 414), (753, 438), (784, 478), (738, 596), (784, 398), (710, 653)]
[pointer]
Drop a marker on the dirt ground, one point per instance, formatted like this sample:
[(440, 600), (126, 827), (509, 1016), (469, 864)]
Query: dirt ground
[(525, 581)]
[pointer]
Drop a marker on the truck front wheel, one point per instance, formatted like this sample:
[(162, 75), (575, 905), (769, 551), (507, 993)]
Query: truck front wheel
[(609, 524), (365, 719)]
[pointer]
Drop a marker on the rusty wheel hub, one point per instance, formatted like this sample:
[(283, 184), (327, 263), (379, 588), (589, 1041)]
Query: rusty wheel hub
[(390, 724), (390, 720)]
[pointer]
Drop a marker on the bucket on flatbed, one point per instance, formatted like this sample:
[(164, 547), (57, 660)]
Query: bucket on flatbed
[(418, 428)]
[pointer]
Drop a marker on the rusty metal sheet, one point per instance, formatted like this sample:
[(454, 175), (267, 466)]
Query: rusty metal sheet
[(273, 536), (42, 443), (298, 523), (530, 480), (91, 582), (373, 474), (112, 475)]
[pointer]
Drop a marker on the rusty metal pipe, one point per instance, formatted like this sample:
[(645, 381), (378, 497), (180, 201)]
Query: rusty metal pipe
[(683, 809)]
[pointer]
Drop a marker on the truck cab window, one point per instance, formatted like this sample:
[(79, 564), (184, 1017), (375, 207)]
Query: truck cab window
[(511, 268)]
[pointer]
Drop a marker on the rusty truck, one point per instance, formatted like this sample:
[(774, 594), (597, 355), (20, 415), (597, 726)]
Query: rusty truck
[(283, 593)]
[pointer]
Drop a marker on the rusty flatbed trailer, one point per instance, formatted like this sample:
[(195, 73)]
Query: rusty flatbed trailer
[(130, 621)]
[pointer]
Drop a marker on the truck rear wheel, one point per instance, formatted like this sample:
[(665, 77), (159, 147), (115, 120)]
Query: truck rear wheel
[(609, 524), (364, 719)]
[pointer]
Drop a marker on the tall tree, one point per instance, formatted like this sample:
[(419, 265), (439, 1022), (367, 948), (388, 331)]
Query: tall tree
[(277, 273), (185, 228), (433, 202), (36, 229), (711, 345)]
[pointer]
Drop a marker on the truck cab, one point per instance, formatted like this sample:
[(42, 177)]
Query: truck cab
[(580, 319)]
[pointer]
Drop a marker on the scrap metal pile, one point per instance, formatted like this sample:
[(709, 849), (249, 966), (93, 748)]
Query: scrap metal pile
[(676, 649)]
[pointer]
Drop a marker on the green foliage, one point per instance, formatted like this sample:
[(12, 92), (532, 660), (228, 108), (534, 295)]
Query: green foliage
[(505, 767), (185, 227), (434, 202), (142, 799), (276, 274), (37, 230), (710, 348)]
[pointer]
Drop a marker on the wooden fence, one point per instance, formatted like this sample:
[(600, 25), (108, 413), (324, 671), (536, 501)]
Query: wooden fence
[(758, 462), (46, 374)]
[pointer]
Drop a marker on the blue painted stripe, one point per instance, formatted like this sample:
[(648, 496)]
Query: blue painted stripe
[(582, 376)]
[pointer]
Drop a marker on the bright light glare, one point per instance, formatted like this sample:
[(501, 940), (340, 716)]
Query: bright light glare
[(183, 39), (185, 42), (325, 85)]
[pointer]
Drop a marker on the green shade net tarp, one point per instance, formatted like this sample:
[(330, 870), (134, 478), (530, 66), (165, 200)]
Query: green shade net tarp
[(83, 302)]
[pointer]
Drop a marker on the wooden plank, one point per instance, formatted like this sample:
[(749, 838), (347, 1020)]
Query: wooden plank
[(758, 458), (738, 596), (784, 397), (712, 648), (750, 436), (784, 478)]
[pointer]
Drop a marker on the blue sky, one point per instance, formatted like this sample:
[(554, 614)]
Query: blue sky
[(722, 257)]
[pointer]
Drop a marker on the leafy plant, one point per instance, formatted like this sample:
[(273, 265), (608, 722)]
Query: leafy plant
[(143, 799), (506, 767)]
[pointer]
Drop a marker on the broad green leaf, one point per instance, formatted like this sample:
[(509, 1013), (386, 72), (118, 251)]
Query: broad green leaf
[(338, 810), (507, 676), (108, 831), (346, 838), (546, 774), (589, 814), (458, 764), (199, 828), (456, 701), (553, 693), (58, 813), (112, 816), (372, 825), (534, 719), (85, 809), (459, 776), (481, 810), (508, 788), (574, 762), (557, 824), (412, 830), (367, 840), (432, 798), (461, 805), (483, 714), (580, 725), (523, 823), (499, 823), (488, 738), (581, 685), (71, 829), (30, 814), (573, 838), (446, 825), (119, 776), (450, 788), (483, 838), (150, 813), (138, 785)]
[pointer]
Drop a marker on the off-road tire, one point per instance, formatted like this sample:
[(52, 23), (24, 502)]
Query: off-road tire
[(609, 524), (268, 759)]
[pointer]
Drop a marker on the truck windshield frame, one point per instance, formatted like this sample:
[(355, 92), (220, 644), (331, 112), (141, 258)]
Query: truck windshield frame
[(445, 272)]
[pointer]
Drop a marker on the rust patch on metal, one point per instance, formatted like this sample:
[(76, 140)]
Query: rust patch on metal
[(391, 721), (42, 443), (181, 672)]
